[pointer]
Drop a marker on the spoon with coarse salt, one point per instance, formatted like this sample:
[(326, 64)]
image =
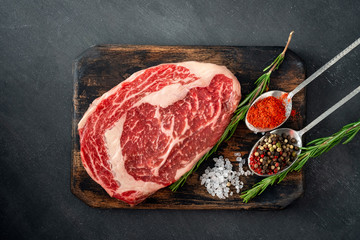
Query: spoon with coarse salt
[(295, 137), (285, 98)]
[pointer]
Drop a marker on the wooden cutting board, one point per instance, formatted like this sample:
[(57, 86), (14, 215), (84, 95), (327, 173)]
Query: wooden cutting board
[(100, 68)]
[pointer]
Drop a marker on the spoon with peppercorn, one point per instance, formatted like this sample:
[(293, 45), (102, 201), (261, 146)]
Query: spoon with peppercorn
[(278, 150), (273, 108)]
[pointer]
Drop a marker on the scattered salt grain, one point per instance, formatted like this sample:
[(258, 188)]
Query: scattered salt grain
[(237, 154), (219, 179)]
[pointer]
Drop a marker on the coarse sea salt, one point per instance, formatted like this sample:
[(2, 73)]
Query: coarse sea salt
[(221, 177), (237, 154)]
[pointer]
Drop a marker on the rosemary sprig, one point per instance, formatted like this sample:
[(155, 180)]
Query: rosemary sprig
[(262, 84), (313, 149)]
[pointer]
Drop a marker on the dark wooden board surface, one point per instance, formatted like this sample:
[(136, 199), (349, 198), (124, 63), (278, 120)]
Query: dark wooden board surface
[(101, 67)]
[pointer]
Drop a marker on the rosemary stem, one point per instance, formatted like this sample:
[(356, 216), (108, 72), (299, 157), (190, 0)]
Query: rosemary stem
[(287, 44)]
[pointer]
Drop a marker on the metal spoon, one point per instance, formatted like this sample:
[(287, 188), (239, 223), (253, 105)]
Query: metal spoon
[(298, 134), (288, 98)]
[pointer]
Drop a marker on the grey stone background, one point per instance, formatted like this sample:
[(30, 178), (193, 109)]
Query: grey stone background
[(40, 39)]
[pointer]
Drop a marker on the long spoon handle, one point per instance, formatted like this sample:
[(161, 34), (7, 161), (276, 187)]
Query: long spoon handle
[(329, 111), (324, 68)]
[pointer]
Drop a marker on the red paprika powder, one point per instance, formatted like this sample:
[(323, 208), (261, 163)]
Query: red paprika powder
[(294, 114), (267, 113)]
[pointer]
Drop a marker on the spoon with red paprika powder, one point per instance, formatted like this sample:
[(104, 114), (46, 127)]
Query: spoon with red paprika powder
[(278, 150), (273, 108)]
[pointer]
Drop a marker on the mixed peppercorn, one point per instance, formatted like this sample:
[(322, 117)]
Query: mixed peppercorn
[(273, 154)]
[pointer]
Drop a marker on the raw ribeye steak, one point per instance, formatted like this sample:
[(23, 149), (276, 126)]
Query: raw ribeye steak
[(149, 130)]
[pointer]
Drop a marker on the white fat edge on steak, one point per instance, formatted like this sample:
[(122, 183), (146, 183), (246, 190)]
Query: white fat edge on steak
[(94, 104), (205, 72)]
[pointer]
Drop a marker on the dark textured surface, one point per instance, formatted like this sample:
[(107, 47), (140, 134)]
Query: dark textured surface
[(40, 39), (100, 68)]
